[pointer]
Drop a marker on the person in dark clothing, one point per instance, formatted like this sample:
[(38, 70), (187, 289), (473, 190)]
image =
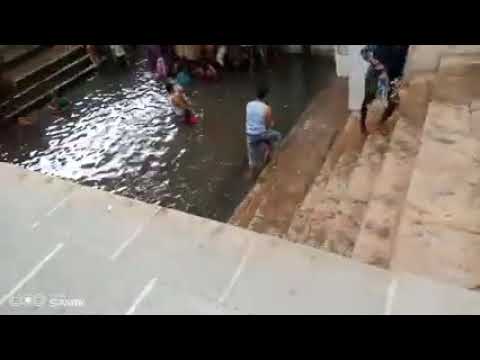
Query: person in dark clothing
[(386, 68)]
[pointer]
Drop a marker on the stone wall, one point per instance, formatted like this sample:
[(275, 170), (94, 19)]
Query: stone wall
[(426, 58)]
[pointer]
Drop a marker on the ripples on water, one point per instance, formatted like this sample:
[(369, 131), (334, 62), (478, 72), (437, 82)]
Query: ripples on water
[(117, 138), (109, 133)]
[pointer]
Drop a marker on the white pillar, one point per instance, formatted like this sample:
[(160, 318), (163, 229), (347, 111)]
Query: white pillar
[(342, 60), (356, 79)]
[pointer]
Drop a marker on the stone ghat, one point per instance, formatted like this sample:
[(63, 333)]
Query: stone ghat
[(408, 201), (68, 249), (40, 73)]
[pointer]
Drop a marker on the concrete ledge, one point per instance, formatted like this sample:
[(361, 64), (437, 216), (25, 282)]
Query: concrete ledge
[(113, 255)]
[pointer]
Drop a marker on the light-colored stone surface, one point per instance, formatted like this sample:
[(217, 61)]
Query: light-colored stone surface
[(458, 65), (439, 234), (384, 207), (382, 216), (427, 57), (431, 298), (342, 235), (356, 80), (175, 263), (313, 217)]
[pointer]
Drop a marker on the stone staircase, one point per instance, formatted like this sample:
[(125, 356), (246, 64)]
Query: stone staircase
[(410, 201), (39, 73), (382, 215)]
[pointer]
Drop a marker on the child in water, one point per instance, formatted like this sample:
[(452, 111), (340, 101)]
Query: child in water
[(183, 76), (181, 104), (59, 104), (120, 55)]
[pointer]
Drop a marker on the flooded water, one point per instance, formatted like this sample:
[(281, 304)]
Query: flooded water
[(120, 135)]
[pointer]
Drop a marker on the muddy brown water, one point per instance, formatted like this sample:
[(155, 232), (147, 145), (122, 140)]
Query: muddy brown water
[(120, 134)]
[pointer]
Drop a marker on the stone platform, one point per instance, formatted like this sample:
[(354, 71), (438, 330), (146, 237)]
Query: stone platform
[(407, 201), (68, 249)]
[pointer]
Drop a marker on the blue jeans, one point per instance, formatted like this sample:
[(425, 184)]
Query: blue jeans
[(256, 146)]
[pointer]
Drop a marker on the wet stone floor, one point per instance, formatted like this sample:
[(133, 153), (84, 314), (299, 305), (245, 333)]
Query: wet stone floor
[(120, 134)]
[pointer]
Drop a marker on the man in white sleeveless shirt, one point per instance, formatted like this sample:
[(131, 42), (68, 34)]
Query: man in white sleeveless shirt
[(260, 136)]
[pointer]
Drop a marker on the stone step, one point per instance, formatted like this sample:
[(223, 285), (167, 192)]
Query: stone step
[(373, 244), (457, 79), (298, 228), (439, 232), (56, 59), (13, 55), (270, 206), (58, 81), (316, 214), (176, 263), (41, 71), (50, 81), (354, 198)]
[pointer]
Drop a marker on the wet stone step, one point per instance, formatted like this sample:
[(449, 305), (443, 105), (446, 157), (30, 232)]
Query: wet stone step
[(45, 70), (13, 55), (317, 207), (52, 80), (77, 71), (354, 199), (375, 240), (438, 234)]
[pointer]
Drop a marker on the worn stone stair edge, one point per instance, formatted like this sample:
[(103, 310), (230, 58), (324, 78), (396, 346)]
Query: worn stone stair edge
[(65, 54), (50, 77), (321, 196), (400, 258), (23, 55), (18, 95), (41, 98), (404, 128), (342, 236), (302, 211), (161, 209), (364, 229)]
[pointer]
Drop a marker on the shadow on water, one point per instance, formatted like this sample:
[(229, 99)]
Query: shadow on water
[(120, 135)]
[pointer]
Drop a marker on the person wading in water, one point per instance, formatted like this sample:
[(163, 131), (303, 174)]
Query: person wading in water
[(261, 139), (181, 105)]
